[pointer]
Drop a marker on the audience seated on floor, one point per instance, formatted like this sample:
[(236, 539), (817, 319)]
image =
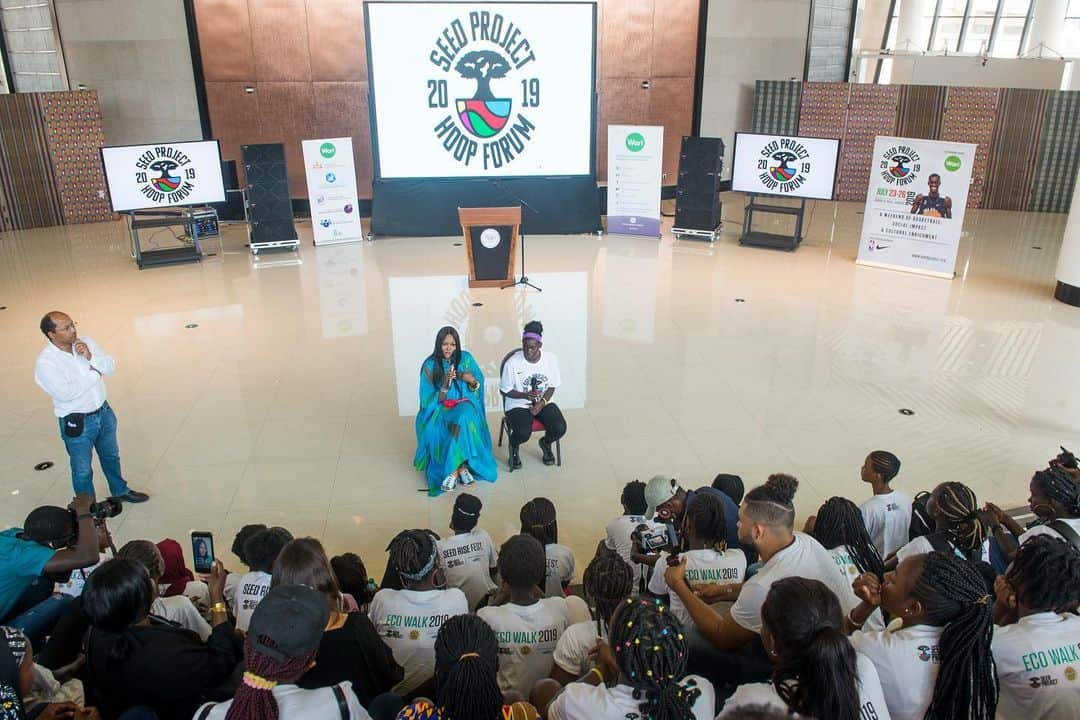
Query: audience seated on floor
[(686, 628)]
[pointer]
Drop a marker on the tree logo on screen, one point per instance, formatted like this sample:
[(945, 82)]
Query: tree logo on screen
[(480, 55), (784, 164), (165, 175), (900, 165)]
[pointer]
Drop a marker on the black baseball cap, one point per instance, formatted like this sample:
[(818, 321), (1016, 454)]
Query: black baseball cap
[(466, 511), (50, 525), (289, 622)]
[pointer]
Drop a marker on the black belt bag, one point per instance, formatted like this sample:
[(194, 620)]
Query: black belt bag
[(73, 424)]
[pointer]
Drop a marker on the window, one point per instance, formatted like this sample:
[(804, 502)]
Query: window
[(950, 20), (32, 47), (1072, 31)]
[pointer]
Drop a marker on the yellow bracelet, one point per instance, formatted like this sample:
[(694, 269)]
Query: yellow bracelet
[(219, 607), (599, 674)]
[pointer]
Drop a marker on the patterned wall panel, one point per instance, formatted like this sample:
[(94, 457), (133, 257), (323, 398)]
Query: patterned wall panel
[(1011, 169), (970, 114), (922, 108), (30, 197), (871, 112), (75, 134), (776, 107), (1059, 154), (823, 109)]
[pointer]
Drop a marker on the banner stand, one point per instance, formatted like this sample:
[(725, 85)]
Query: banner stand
[(903, 268), (331, 180), (635, 174)]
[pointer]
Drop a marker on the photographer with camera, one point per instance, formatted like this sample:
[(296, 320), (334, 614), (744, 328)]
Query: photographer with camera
[(52, 542), (669, 502)]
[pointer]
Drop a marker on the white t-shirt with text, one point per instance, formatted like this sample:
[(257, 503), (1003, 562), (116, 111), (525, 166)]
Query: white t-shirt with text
[(581, 701), (250, 591), (520, 374), (805, 558), (467, 560), (1038, 662), (888, 520), (408, 621), (703, 567), (907, 662), (560, 569), (527, 636)]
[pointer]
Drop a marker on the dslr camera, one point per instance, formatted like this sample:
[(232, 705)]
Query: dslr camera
[(107, 508), (654, 540)]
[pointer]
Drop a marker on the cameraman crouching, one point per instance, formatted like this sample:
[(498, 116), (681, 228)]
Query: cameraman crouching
[(52, 542)]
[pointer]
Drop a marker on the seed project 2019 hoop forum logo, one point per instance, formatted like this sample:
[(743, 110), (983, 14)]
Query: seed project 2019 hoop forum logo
[(900, 165), (785, 165), (165, 174), (484, 59)]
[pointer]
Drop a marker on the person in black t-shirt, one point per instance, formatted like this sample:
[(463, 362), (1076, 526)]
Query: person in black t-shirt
[(351, 648)]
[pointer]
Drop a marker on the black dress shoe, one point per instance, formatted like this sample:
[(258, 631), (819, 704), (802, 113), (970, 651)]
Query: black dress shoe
[(134, 496), (515, 458), (545, 446)]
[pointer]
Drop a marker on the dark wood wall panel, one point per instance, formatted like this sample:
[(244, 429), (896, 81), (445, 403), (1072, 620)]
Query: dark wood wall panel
[(287, 115), (674, 41), (622, 101), (234, 117), (225, 39), (336, 41), (627, 38), (341, 109), (1016, 141), (279, 38), (667, 107), (25, 168), (922, 108)]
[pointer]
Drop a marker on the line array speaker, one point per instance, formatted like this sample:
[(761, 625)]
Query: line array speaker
[(268, 196), (697, 195)]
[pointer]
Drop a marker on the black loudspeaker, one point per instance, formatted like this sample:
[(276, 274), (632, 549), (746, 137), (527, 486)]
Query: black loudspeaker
[(233, 207), (491, 258), (697, 195), (268, 197)]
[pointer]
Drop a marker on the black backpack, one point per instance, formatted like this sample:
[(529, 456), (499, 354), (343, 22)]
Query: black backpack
[(1065, 530)]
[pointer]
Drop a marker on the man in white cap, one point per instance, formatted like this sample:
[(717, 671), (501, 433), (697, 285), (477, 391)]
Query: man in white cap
[(668, 502)]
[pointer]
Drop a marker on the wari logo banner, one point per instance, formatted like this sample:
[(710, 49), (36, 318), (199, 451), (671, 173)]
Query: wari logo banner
[(331, 180), (481, 89), (635, 173), (915, 205), (785, 165)]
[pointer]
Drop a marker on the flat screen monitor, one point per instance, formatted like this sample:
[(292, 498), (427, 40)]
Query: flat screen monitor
[(785, 165), (161, 175), (481, 89)]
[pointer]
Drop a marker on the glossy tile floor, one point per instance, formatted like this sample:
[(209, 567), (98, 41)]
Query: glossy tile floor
[(292, 401)]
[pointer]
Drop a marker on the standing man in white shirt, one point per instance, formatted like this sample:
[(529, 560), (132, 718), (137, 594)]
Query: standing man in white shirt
[(888, 513), (529, 379), (71, 370)]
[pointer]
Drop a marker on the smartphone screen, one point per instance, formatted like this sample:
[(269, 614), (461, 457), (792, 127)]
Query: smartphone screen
[(202, 549)]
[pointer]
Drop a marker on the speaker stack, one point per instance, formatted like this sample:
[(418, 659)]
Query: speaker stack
[(697, 195), (269, 202)]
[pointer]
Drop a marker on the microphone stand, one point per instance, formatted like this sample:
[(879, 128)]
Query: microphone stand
[(524, 279)]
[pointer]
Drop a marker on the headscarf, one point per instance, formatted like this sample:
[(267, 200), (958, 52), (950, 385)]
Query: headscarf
[(176, 576)]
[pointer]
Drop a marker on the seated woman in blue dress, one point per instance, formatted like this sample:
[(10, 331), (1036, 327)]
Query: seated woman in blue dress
[(453, 443)]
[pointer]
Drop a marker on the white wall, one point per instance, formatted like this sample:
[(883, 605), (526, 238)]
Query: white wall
[(135, 53), (966, 71), (748, 40)]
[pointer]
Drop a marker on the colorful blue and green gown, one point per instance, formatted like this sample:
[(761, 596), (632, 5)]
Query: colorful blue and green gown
[(447, 437)]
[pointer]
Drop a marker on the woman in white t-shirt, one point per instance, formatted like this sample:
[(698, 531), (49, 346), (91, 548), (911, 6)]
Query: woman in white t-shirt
[(707, 559), (408, 620), (959, 525), (840, 529), (645, 663), (1035, 645), (177, 609), (818, 673), (468, 556), (608, 582), (1055, 500), (936, 662), (538, 519), (529, 378)]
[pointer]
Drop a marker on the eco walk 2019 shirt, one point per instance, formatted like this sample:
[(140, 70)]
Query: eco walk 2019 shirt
[(528, 635), (703, 567), (1038, 666), (408, 621)]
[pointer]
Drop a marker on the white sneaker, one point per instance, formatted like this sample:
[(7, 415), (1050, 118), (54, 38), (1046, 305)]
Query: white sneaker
[(466, 476), (449, 483)]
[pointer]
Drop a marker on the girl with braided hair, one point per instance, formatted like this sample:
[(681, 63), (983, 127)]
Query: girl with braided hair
[(817, 672), (887, 513), (1036, 650), (466, 684), (960, 526), (538, 519), (646, 664), (706, 558), (408, 620), (840, 529), (936, 664), (1055, 500), (609, 581)]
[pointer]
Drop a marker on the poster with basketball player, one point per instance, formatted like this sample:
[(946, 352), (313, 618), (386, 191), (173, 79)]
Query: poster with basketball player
[(915, 205)]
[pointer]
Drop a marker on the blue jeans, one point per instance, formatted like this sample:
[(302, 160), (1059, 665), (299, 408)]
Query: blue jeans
[(99, 431), (38, 610)]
